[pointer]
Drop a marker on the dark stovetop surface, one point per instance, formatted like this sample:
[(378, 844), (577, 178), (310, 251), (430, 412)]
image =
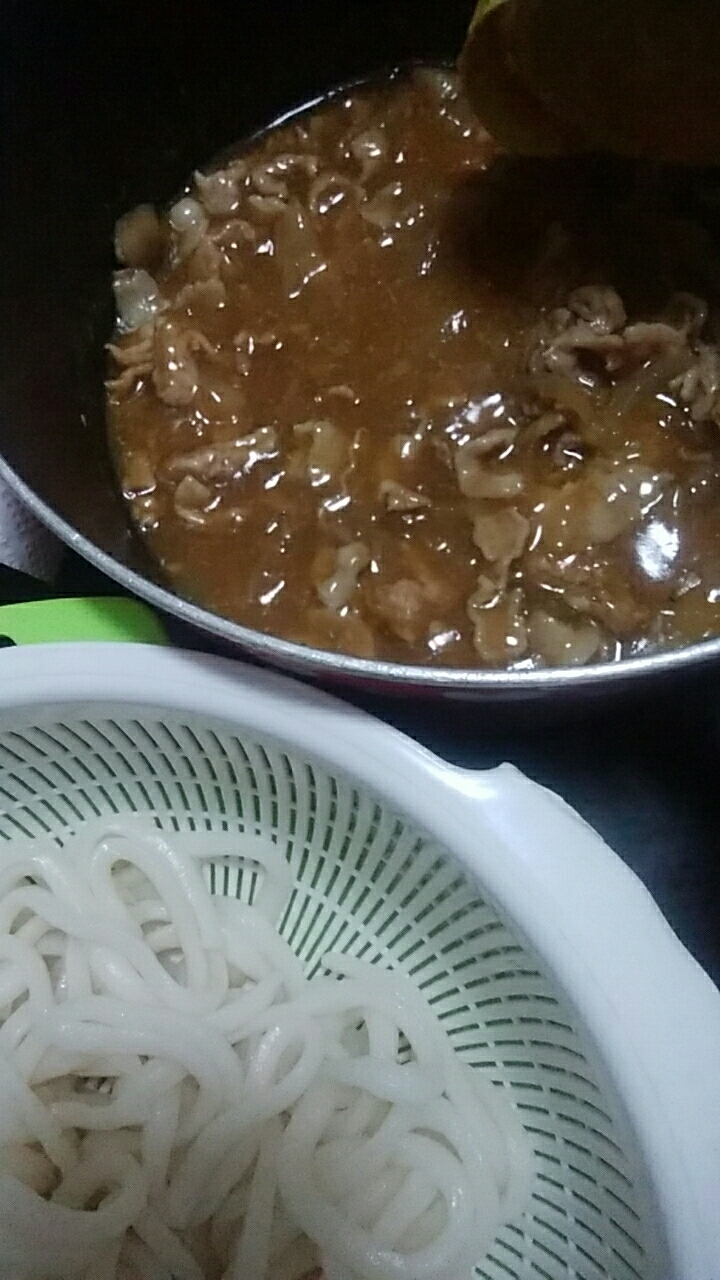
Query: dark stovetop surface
[(645, 772)]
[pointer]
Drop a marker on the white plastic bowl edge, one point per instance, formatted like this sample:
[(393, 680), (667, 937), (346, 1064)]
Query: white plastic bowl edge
[(647, 1005)]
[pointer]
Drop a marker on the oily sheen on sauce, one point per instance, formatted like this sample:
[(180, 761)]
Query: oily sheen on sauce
[(378, 389)]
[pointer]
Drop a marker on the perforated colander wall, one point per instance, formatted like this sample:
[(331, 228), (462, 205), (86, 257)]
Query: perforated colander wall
[(368, 883)]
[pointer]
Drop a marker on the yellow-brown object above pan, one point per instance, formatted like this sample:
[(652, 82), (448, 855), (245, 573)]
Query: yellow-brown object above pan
[(637, 79)]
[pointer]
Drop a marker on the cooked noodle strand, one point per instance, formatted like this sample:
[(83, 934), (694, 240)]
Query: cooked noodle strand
[(177, 1099)]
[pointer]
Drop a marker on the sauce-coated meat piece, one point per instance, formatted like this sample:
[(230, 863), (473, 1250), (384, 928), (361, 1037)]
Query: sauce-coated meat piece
[(377, 389)]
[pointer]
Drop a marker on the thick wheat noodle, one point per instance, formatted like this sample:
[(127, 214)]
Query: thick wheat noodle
[(166, 1068)]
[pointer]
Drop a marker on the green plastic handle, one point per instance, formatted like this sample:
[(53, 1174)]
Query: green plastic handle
[(99, 618)]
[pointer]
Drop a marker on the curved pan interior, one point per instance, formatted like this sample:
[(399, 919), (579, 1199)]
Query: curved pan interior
[(104, 104)]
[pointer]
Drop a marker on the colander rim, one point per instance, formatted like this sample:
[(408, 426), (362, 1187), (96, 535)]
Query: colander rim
[(546, 869)]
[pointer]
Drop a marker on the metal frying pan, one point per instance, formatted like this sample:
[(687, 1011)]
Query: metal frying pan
[(103, 104)]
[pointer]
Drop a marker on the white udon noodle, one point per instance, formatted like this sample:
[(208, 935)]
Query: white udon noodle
[(178, 1100)]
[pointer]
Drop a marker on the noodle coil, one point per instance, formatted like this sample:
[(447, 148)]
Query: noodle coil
[(178, 1100)]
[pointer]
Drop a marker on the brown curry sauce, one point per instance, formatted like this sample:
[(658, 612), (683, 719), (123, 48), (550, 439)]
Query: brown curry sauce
[(390, 403)]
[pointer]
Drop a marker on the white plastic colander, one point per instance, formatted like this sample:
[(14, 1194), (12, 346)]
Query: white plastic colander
[(543, 956)]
